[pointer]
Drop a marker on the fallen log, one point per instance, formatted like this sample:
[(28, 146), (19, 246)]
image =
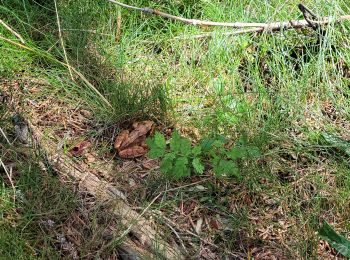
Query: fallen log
[(139, 240), (104, 191)]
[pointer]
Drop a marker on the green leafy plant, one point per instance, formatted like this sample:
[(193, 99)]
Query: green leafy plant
[(337, 143), (340, 243), (179, 158)]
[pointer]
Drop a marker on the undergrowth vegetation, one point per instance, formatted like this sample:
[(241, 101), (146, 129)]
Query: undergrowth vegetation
[(182, 159), (273, 107)]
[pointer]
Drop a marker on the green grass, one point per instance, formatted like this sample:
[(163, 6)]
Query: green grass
[(38, 197), (282, 90)]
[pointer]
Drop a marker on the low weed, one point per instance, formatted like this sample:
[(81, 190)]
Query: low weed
[(180, 159)]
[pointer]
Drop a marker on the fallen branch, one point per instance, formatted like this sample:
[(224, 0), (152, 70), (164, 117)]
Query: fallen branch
[(136, 224), (9, 176), (212, 34), (254, 27)]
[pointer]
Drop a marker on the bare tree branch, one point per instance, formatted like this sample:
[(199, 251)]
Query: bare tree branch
[(254, 27)]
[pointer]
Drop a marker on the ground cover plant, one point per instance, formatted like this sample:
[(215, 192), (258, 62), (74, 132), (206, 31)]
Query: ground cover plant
[(273, 108)]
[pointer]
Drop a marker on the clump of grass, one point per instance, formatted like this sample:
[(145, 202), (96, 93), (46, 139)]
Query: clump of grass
[(127, 98)]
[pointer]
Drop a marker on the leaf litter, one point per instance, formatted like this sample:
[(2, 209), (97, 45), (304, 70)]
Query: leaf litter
[(191, 214)]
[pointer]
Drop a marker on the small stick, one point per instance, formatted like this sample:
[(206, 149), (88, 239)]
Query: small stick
[(273, 26), (119, 26), (177, 235), (12, 31), (10, 179), (138, 217), (62, 42), (184, 186), (212, 34), (4, 135)]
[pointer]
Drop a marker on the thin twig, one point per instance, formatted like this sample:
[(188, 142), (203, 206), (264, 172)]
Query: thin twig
[(138, 217), (177, 235), (273, 26), (185, 20), (212, 34), (12, 31), (10, 179), (119, 26), (62, 42), (4, 135), (184, 186)]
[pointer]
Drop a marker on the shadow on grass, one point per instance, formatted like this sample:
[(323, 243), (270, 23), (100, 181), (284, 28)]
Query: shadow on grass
[(129, 98)]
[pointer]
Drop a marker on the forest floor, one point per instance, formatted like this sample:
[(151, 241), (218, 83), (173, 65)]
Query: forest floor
[(286, 92)]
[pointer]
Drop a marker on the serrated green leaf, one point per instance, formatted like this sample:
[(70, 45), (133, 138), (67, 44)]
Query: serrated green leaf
[(156, 152), (198, 166), (157, 146), (197, 150), (206, 144), (166, 164), (340, 243), (336, 142), (215, 160), (237, 152), (226, 167), (253, 151), (185, 147), (175, 142), (159, 140), (181, 168)]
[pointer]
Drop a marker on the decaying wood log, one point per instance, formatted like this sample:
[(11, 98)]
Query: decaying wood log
[(104, 191)]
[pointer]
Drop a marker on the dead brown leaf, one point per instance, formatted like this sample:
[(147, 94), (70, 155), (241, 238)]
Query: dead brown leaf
[(214, 224), (150, 164), (132, 152), (79, 149)]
